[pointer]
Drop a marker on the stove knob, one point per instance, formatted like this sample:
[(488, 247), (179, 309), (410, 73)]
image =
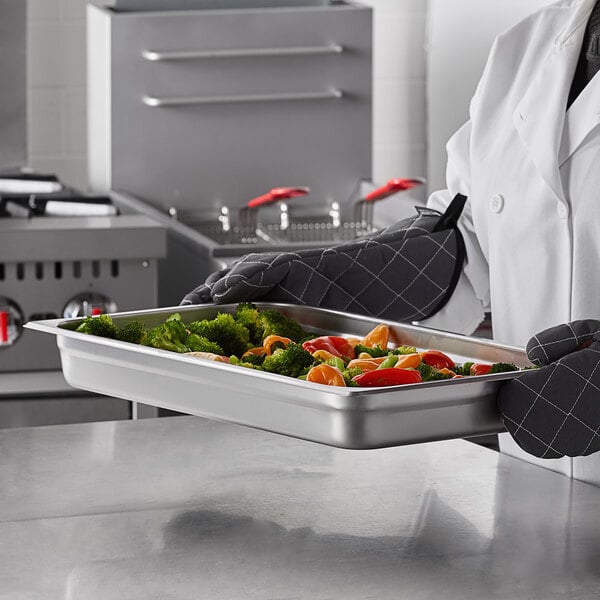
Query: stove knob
[(89, 305), (11, 322)]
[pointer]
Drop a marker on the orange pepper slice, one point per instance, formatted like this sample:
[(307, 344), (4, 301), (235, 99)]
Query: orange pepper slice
[(446, 371), (366, 356), (408, 361), (323, 355), (379, 336), (366, 359), (254, 351), (327, 375), (273, 339), (364, 364)]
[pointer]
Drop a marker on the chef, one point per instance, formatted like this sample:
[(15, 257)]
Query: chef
[(528, 162)]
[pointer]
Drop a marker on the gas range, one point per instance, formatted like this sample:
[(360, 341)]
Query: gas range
[(65, 253)]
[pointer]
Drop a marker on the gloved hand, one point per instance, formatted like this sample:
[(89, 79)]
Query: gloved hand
[(405, 272), (554, 411)]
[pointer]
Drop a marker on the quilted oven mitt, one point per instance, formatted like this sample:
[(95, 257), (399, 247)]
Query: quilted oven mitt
[(407, 271), (554, 411)]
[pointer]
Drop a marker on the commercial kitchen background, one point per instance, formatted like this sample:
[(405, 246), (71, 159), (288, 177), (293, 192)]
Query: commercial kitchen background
[(418, 101), (112, 514)]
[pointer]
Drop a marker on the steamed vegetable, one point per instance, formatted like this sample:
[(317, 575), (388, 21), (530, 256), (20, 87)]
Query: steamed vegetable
[(334, 344), (134, 333), (101, 325), (274, 322), (247, 314), (267, 340), (231, 336), (327, 375), (171, 335), (502, 367), (292, 361), (389, 376), (378, 352)]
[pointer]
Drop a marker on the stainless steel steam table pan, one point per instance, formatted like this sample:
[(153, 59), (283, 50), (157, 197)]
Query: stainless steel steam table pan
[(357, 418)]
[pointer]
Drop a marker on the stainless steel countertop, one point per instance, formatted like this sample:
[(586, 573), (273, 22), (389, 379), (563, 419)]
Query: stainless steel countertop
[(179, 508)]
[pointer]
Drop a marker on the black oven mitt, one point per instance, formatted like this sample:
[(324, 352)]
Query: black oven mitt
[(554, 411), (405, 272)]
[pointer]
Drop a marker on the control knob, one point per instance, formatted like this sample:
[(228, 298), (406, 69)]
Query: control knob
[(11, 322), (88, 305)]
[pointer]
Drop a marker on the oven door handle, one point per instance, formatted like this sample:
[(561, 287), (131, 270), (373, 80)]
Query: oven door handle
[(156, 101), (170, 55)]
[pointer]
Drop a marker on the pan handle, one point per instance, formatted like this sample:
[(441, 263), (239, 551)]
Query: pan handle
[(392, 187), (157, 102), (276, 194)]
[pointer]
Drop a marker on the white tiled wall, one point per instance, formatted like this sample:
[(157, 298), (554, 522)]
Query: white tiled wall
[(56, 88), (57, 95), (399, 88)]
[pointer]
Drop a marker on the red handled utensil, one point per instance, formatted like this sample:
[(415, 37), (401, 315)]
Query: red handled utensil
[(392, 187), (248, 214), (363, 215), (276, 194)]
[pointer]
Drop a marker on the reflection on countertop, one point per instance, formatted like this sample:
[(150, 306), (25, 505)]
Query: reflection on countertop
[(188, 508)]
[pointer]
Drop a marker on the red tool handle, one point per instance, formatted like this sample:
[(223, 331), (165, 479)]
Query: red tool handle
[(3, 327), (277, 194), (393, 186)]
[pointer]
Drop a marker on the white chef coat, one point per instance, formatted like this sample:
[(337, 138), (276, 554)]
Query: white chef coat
[(531, 171)]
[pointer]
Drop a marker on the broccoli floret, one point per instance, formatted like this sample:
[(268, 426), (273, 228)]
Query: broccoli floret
[(233, 337), (429, 373), (255, 359), (171, 335), (197, 343), (349, 374), (234, 360), (133, 332), (376, 352), (292, 361), (101, 325), (275, 323), (503, 368), (248, 315), (404, 350), (464, 369)]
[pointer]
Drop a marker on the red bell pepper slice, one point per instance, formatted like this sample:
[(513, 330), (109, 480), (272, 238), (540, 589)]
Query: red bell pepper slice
[(480, 369), (437, 359), (337, 345), (384, 377)]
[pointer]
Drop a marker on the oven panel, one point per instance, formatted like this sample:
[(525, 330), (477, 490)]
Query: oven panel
[(234, 102)]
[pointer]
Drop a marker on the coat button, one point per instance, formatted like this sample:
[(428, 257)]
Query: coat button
[(562, 210), (496, 203)]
